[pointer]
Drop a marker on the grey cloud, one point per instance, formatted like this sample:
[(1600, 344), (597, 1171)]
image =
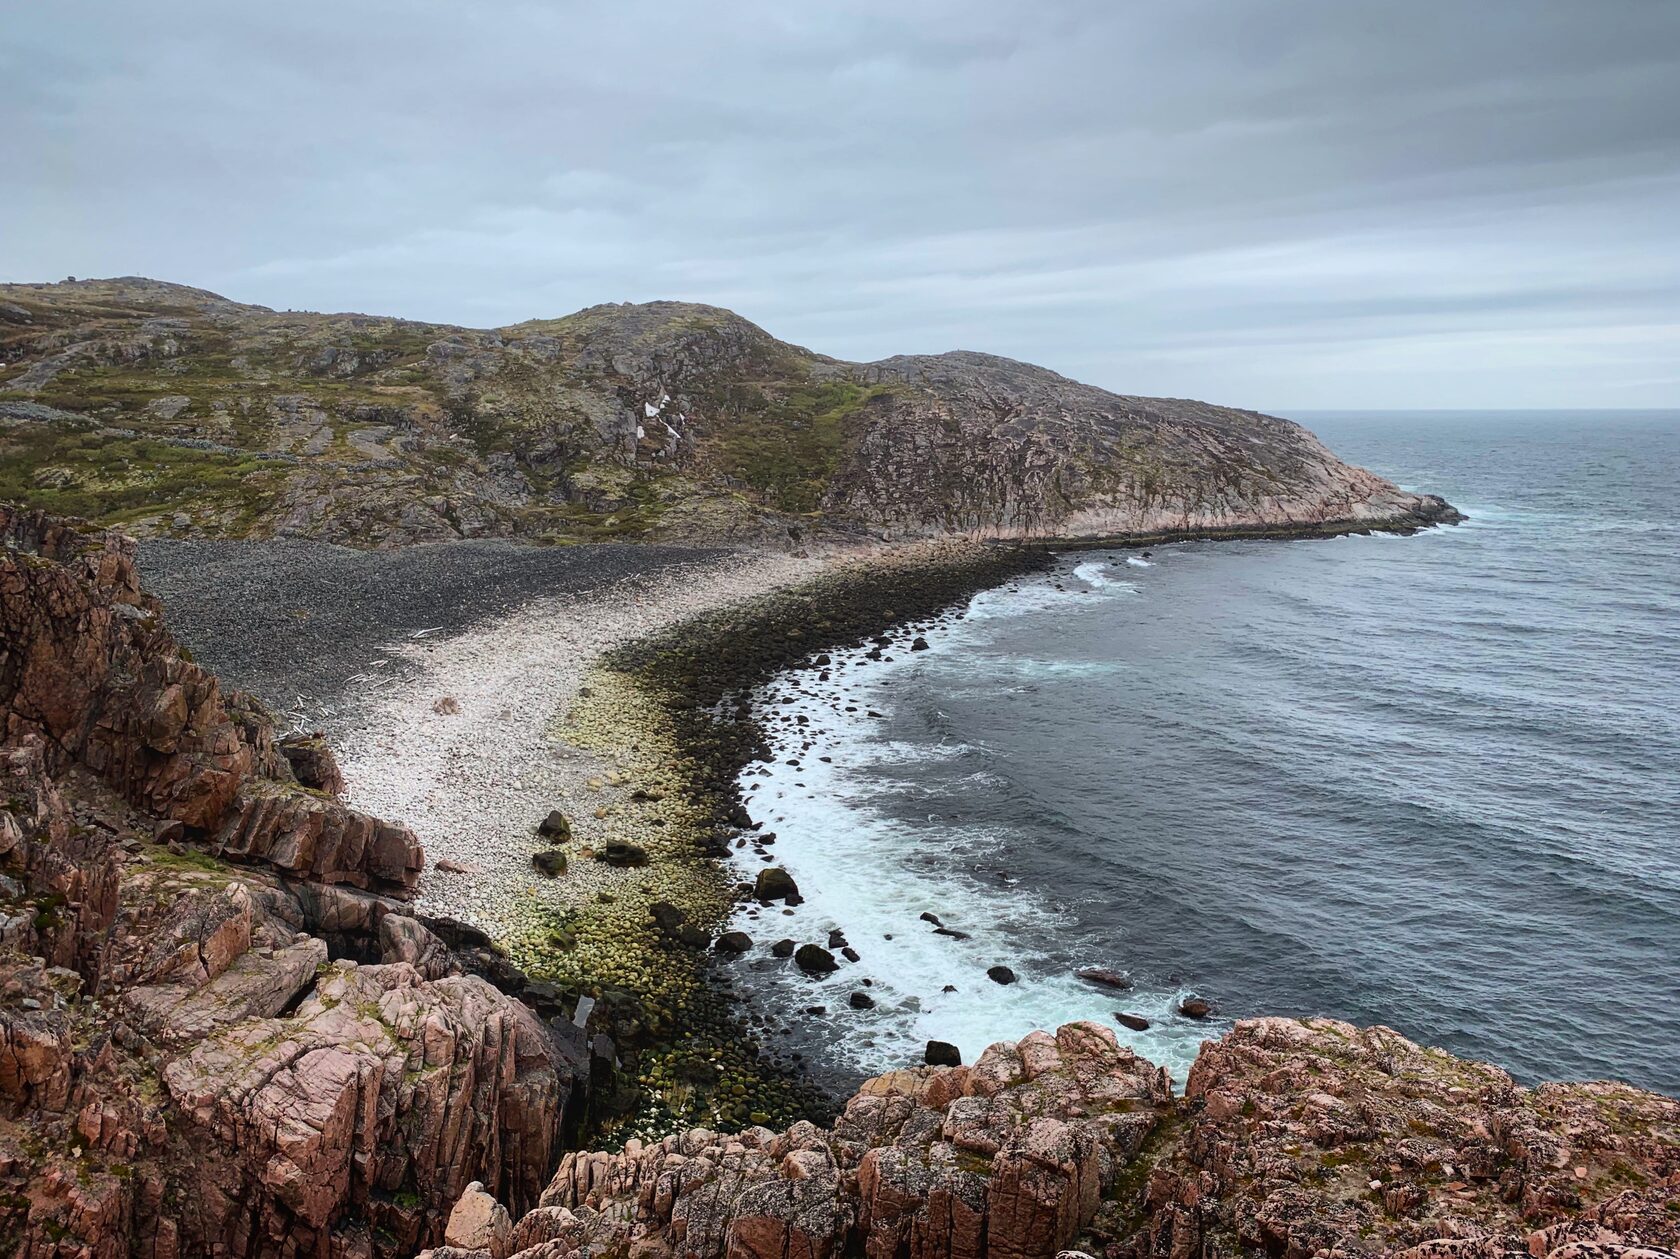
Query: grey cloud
[(1316, 203)]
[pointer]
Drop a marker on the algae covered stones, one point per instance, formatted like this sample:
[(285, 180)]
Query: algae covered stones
[(555, 828)]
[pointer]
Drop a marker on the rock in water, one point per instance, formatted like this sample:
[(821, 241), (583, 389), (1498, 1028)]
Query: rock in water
[(775, 884), (1195, 1008), (783, 948), (733, 942), (555, 828), (1134, 1021), (1000, 974), (813, 959), (1107, 978), (862, 1001), (942, 1054)]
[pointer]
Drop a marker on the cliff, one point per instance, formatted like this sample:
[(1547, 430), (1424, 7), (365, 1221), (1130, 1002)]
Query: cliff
[(173, 411), (222, 1029)]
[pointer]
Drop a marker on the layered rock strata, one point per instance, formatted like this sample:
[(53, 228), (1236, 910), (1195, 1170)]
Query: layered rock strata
[(221, 1028)]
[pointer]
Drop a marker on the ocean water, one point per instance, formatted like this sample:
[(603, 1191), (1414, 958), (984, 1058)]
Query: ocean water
[(1431, 782)]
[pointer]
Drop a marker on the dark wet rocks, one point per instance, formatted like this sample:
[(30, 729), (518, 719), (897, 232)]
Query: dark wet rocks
[(1106, 978), (941, 1053), (813, 959), (550, 863), (1000, 974), (733, 943), (622, 853), (783, 948), (775, 884), (861, 1001), (1195, 1007), (555, 828), (1134, 1021)]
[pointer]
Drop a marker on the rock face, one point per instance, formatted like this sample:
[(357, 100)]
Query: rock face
[(1294, 1139), (1009, 1157), (1317, 1137), (663, 419), (237, 1041), (92, 674)]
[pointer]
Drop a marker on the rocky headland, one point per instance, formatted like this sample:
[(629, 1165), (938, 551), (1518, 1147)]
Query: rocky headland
[(174, 412)]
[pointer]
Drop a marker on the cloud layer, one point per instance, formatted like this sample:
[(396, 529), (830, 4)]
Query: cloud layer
[(1319, 203)]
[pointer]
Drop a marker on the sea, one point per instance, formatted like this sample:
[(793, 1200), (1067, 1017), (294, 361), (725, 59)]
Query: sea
[(1427, 781)]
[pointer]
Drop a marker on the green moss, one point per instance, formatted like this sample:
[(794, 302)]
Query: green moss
[(787, 445)]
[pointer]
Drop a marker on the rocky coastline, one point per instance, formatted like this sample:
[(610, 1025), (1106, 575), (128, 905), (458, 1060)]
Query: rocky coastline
[(234, 1020)]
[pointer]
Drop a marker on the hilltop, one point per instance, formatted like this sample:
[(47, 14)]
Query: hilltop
[(172, 411)]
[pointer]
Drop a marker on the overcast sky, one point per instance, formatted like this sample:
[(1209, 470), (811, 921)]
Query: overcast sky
[(1272, 203)]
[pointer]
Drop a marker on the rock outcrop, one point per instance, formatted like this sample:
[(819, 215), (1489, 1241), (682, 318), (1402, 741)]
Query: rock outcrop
[(662, 419), (1294, 1139), (221, 1029), (91, 672)]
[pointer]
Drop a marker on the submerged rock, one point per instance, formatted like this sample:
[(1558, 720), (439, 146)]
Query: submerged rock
[(1107, 978), (1134, 1021), (555, 827)]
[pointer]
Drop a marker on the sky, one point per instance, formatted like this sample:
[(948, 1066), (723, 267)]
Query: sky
[(1283, 204)]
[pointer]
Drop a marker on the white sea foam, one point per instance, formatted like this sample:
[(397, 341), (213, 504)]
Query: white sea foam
[(871, 874)]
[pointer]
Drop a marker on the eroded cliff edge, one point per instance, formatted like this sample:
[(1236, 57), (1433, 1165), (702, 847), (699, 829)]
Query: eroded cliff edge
[(171, 411)]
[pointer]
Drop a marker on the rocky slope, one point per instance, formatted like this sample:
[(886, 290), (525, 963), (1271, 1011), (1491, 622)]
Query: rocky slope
[(1294, 1140), (173, 411), (222, 1029)]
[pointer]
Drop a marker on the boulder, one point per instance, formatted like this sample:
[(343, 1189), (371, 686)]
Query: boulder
[(621, 852), (1107, 978), (1134, 1021), (942, 1054), (813, 959), (551, 862), (555, 828), (774, 884), (1000, 974), (479, 1222), (733, 943), (1194, 1007)]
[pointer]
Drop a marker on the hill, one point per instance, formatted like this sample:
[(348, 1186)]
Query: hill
[(172, 411)]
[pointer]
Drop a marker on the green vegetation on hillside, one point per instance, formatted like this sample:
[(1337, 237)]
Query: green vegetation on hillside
[(787, 446)]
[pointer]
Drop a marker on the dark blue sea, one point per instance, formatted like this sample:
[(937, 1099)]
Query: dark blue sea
[(1430, 781)]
